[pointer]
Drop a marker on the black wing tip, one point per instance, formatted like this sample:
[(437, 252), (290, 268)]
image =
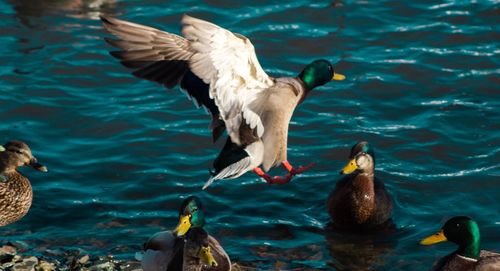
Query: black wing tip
[(117, 54), (111, 42), (106, 19)]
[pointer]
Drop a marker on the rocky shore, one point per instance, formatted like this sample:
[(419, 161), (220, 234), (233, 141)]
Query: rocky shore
[(13, 257)]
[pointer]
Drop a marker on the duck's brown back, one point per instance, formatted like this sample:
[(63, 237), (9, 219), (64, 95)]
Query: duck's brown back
[(16, 195), (489, 261)]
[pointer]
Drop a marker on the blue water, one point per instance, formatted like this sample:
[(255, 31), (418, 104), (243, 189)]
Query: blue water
[(422, 88)]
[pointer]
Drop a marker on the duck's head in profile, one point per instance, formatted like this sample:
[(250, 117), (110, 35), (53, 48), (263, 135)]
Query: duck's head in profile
[(191, 215), (15, 154), (361, 159), (197, 246), (318, 73), (461, 230)]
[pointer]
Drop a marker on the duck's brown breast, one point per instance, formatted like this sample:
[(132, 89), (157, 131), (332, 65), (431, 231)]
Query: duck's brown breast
[(353, 201), (277, 110), (16, 195)]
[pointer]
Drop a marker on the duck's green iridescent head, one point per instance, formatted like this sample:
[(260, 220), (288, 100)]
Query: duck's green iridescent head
[(318, 73), (461, 230), (191, 215), (362, 158)]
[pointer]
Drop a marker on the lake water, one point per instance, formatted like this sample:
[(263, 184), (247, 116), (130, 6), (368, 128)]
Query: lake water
[(422, 87)]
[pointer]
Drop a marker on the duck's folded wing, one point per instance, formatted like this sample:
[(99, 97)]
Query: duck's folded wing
[(227, 62), (489, 260), (220, 255), (163, 58), (159, 251)]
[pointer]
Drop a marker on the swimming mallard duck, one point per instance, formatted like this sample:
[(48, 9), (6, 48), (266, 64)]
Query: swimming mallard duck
[(15, 189), (172, 250), (464, 232), (220, 70), (359, 200)]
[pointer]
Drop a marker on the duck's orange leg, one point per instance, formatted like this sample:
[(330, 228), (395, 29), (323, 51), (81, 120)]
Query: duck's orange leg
[(282, 179), (295, 171)]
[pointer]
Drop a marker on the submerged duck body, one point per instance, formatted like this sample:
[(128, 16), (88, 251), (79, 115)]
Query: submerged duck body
[(188, 247), (220, 70), (360, 201), (16, 193), (464, 232)]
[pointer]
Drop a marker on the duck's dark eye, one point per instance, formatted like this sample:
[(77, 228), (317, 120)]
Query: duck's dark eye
[(20, 152)]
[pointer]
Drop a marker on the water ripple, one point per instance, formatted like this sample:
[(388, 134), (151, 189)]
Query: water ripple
[(420, 87)]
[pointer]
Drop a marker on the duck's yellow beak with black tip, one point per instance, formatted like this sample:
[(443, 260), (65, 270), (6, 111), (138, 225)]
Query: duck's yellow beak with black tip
[(207, 257), (433, 239), (350, 167), (183, 226), (338, 77), (2, 148)]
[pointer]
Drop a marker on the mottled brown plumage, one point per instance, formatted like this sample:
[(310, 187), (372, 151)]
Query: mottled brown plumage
[(15, 189), (488, 261), (359, 200)]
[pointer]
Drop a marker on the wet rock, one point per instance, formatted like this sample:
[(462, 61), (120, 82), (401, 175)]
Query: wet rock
[(130, 266), (105, 266), (6, 266), (7, 253), (45, 266), (61, 260), (27, 264), (8, 249), (84, 259)]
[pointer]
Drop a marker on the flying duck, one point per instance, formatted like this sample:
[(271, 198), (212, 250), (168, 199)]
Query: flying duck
[(220, 70)]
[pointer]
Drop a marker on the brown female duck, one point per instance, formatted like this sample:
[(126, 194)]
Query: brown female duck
[(359, 200), (15, 189)]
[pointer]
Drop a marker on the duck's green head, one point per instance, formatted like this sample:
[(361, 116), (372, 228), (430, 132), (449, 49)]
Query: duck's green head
[(362, 159), (461, 230), (318, 73), (191, 215)]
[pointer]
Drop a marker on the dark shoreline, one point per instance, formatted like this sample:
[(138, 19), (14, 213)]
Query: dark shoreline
[(15, 257)]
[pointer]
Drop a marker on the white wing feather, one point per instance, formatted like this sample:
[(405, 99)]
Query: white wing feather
[(228, 63)]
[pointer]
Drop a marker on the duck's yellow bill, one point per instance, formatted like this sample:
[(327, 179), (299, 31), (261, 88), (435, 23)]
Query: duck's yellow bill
[(207, 257), (338, 77), (183, 226), (350, 167), (433, 239), (2, 148)]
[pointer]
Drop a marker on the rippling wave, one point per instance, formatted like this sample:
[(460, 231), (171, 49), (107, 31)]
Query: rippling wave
[(422, 88)]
